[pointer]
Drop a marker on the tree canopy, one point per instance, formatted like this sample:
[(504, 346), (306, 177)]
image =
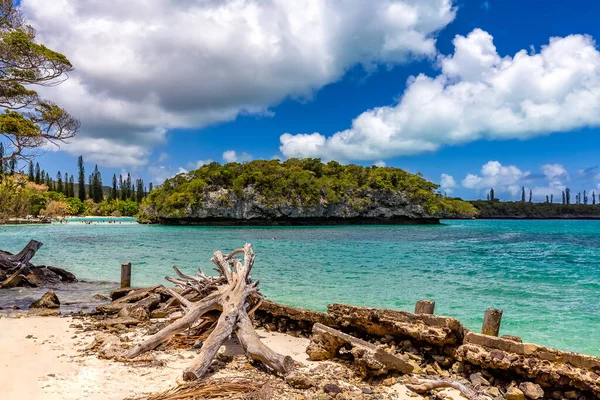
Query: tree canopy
[(28, 121), (303, 183)]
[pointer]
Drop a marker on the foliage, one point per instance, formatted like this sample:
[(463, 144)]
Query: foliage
[(520, 209), (75, 206), (29, 122), (15, 199), (55, 209), (301, 183)]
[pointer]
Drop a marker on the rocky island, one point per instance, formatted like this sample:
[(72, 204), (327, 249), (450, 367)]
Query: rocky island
[(299, 192)]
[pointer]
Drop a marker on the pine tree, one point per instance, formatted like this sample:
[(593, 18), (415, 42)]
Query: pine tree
[(71, 186), (585, 198), (90, 187), (523, 194), (567, 196), (122, 190), (129, 187), (139, 193), (594, 198), (59, 183), (551, 198), (530, 195), (2, 164), (12, 166), (81, 179), (492, 194), (547, 199), (97, 194), (150, 188), (31, 174), (115, 193), (66, 185), (38, 173)]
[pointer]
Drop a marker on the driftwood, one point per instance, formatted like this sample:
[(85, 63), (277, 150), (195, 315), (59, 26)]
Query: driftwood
[(426, 386), (17, 269), (230, 293), (327, 343)]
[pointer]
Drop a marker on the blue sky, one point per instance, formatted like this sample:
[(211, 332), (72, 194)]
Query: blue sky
[(560, 152)]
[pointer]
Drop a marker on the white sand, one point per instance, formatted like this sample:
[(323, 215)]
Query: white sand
[(50, 364)]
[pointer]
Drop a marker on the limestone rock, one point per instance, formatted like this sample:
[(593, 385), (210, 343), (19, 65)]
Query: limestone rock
[(513, 393), (532, 390), (299, 380), (44, 312), (477, 379), (332, 388), (48, 300)]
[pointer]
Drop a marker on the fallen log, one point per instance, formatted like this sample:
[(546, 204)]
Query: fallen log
[(327, 343), (17, 269), (230, 293)]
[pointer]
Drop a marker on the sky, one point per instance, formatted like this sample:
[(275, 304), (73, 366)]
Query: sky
[(472, 94)]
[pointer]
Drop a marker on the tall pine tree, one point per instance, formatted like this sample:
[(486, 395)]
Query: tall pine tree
[(114, 194), (38, 173), (122, 190), (59, 183), (97, 194), (129, 187), (139, 192), (71, 186), (2, 166), (31, 174), (81, 179)]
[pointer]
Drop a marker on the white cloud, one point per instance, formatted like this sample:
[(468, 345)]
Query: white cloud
[(447, 183), (233, 156), (495, 175), (477, 95), (379, 163), (143, 67), (160, 173), (162, 157), (201, 163)]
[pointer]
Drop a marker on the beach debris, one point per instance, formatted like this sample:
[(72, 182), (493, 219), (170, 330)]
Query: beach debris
[(16, 270), (426, 386), (327, 343), (230, 293), (223, 388)]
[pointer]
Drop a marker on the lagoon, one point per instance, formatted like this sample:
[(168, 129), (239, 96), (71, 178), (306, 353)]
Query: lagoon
[(545, 275)]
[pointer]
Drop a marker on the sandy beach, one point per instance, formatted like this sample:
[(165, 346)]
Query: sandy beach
[(45, 358)]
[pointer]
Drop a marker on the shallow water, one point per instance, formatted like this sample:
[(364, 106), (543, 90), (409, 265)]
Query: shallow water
[(545, 275)]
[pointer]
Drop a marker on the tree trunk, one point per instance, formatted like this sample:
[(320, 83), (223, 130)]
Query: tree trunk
[(229, 292), (10, 263)]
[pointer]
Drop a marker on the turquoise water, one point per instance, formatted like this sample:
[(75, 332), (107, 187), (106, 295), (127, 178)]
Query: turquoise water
[(545, 275)]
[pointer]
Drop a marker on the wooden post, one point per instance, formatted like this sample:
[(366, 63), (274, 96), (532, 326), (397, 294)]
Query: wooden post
[(126, 275), (491, 322), (424, 307)]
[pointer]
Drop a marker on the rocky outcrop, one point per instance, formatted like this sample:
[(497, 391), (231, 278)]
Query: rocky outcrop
[(548, 367), (432, 329), (225, 207), (47, 305)]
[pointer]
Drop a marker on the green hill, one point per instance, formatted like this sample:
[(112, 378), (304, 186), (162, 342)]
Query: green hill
[(297, 192)]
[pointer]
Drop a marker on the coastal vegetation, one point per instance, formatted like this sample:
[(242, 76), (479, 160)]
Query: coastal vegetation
[(28, 121), (584, 206), (297, 187), (37, 194)]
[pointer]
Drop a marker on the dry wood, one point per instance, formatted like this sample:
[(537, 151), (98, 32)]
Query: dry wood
[(230, 292), (12, 262), (327, 343), (426, 386)]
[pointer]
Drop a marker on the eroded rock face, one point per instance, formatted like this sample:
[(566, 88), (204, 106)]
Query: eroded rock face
[(225, 205), (48, 300)]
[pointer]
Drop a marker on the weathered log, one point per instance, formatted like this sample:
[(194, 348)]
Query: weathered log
[(230, 293), (17, 270), (424, 307), (11, 262), (327, 342), (491, 322)]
